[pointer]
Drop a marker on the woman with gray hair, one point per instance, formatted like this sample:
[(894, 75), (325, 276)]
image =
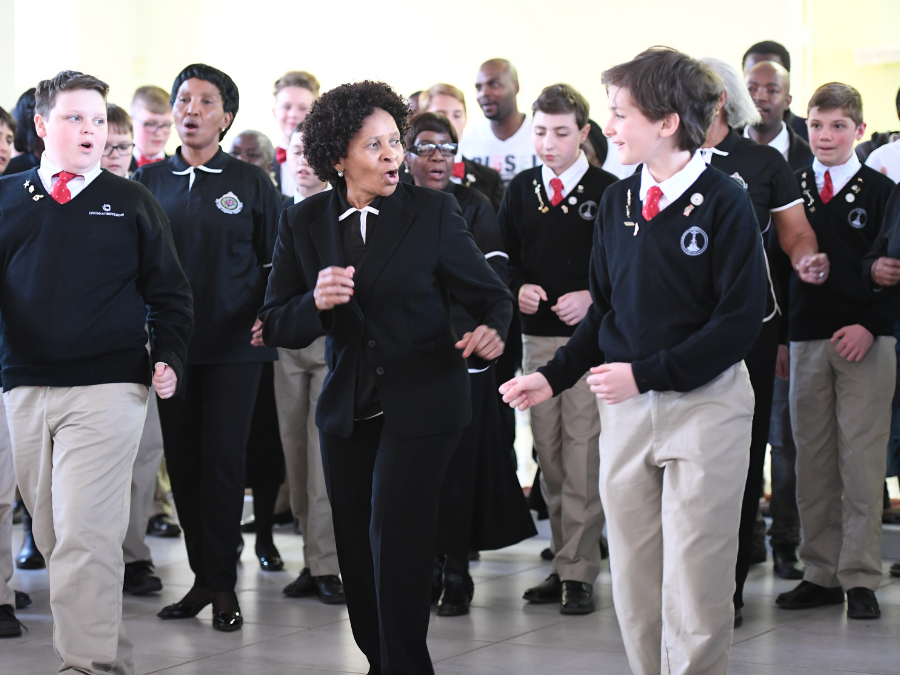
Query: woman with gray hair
[(773, 189)]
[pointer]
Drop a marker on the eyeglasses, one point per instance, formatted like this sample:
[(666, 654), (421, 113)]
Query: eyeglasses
[(427, 149), (122, 148), (153, 127)]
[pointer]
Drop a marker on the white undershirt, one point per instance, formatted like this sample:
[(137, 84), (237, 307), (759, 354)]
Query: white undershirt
[(782, 142), (675, 186), (570, 177), (840, 174), (48, 170)]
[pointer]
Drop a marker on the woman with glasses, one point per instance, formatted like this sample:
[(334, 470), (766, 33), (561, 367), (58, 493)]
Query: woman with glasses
[(224, 215), (372, 265), (482, 505)]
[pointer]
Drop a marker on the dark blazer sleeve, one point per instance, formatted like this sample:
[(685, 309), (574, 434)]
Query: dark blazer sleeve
[(289, 315), (888, 235), (466, 274)]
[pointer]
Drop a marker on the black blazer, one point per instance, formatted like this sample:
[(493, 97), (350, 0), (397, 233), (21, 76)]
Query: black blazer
[(420, 253)]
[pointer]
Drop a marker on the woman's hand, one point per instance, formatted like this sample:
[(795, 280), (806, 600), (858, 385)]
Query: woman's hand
[(813, 269), (572, 307), (333, 287), (256, 334), (530, 296), (484, 342), (613, 382), (165, 381), (527, 391), (886, 271)]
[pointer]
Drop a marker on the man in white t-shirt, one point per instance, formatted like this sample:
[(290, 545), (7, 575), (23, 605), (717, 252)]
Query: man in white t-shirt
[(504, 141), (886, 159)]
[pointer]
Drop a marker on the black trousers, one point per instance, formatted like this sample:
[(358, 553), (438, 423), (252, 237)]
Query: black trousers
[(384, 493), (785, 530), (761, 368), (205, 429)]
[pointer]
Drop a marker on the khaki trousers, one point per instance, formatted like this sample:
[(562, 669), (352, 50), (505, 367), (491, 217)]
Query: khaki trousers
[(841, 414), (7, 497), (143, 486), (161, 505), (299, 375), (672, 472), (566, 430), (73, 449)]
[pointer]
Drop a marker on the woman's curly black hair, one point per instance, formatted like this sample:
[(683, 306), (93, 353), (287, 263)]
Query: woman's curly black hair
[(227, 88), (338, 115)]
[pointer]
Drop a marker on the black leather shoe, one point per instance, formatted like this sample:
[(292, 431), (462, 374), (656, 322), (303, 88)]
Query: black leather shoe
[(29, 557), (269, 558), (140, 579), (228, 622), (787, 563), (895, 569), (577, 598), (738, 617), (808, 595), (547, 554), (10, 626), (183, 610), (248, 524), (546, 592), (330, 589), (23, 600), (302, 587), (862, 604), (459, 590), (161, 525)]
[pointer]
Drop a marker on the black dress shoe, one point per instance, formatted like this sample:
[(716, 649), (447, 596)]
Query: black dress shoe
[(269, 558), (10, 626), (808, 595), (183, 610), (29, 557), (546, 592), (577, 598), (161, 525), (23, 600), (330, 589), (302, 587), (895, 569), (459, 589), (738, 617), (248, 524), (786, 563), (547, 554), (140, 579), (862, 604), (228, 622)]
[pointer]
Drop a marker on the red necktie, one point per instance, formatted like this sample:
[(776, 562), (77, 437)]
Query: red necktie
[(827, 191), (459, 169), (651, 203), (280, 156), (142, 160), (60, 191), (557, 186)]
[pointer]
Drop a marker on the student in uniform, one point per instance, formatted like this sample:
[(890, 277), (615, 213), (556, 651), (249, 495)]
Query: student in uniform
[(777, 203), (482, 505), (224, 216), (678, 288), (299, 375), (75, 365), (769, 50), (295, 92), (152, 115), (371, 265), (449, 101), (843, 369), (547, 219)]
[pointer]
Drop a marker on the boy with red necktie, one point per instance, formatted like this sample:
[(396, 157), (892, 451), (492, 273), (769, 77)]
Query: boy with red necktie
[(152, 117), (295, 92)]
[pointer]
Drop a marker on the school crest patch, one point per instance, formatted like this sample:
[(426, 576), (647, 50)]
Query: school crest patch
[(857, 218), (694, 241), (588, 210), (229, 203), (740, 181)]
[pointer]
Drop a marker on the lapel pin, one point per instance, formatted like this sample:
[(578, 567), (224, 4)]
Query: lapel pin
[(688, 210), (803, 184), (30, 188), (850, 197), (470, 177), (36, 197), (565, 209), (26, 183), (573, 201), (636, 227), (696, 199), (628, 206), (580, 189)]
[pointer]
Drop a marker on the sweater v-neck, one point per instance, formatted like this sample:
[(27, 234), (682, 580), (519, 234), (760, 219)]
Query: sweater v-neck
[(677, 207), (38, 184)]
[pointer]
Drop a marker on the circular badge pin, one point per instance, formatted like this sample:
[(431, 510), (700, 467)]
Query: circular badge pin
[(696, 199), (803, 184), (588, 210), (573, 201), (694, 241), (850, 197), (857, 218)]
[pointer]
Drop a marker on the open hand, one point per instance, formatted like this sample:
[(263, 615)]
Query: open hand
[(165, 381), (527, 391)]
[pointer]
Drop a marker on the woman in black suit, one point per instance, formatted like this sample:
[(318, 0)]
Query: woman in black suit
[(372, 265)]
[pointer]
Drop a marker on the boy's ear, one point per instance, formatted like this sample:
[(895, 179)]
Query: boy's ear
[(40, 126), (669, 125), (860, 130), (583, 133)]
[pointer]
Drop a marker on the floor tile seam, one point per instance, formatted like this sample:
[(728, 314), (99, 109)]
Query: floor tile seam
[(817, 669), (605, 650)]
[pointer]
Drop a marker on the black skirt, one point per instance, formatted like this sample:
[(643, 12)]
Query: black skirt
[(482, 504)]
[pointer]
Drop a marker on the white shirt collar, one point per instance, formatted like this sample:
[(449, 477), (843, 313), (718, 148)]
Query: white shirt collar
[(48, 169), (707, 153), (840, 175), (782, 142), (137, 154), (363, 212), (675, 186), (299, 198), (190, 172), (569, 177)]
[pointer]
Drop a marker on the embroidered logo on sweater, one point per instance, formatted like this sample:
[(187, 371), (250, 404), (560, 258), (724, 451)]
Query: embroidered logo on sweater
[(229, 203), (694, 241), (740, 181), (857, 218), (106, 210), (588, 210)]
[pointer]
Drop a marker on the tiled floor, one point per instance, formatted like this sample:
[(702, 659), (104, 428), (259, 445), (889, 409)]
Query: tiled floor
[(501, 635)]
